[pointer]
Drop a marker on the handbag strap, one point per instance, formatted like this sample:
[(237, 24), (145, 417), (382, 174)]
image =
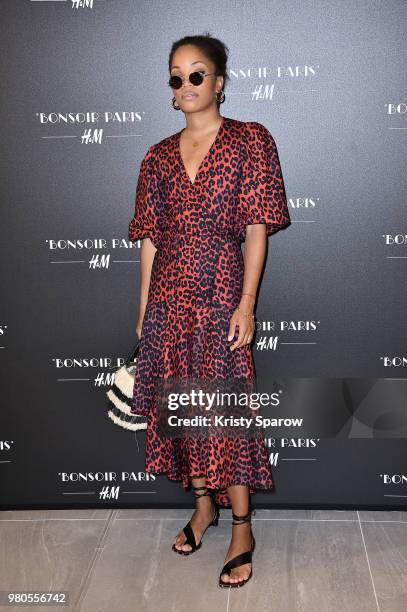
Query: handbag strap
[(130, 358), (134, 351)]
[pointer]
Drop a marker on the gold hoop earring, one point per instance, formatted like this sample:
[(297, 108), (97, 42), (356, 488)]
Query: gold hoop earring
[(174, 103)]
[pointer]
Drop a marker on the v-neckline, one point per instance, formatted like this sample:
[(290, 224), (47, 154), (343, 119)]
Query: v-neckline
[(218, 133)]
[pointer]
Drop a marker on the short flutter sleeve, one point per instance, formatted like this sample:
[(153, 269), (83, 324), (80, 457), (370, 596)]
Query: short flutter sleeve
[(149, 203), (262, 197)]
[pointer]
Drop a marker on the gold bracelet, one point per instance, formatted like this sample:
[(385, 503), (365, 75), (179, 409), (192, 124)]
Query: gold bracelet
[(251, 294), (246, 314)]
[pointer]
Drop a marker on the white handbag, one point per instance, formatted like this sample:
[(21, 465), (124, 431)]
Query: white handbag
[(120, 395)]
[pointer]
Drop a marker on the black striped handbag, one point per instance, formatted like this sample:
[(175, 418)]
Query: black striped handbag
[(120, 394)]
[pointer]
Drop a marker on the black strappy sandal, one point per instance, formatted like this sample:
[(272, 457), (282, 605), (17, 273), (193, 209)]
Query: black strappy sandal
[(190, 537), (241, 559)]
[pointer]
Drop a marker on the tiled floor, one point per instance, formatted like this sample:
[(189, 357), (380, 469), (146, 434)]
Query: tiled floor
[(121, 560)]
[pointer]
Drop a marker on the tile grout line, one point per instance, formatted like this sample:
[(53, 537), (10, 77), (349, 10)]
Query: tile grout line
[(94, 558), (368, 562), (177, 518), (54, 518), (315, 520)]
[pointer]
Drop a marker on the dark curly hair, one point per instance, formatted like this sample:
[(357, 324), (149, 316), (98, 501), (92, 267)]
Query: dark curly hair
[(214, 49)]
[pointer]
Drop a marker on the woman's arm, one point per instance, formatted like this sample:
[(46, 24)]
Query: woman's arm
[(254, 256), (147, 253)]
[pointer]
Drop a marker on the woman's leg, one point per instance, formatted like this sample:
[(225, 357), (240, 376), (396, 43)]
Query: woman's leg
[(241, 539), (201, 517)]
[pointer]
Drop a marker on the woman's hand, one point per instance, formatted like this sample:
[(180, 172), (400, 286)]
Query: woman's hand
[(139, 326), (244, 322)]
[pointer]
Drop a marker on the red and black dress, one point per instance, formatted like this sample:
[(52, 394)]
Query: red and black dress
[(196, 284)]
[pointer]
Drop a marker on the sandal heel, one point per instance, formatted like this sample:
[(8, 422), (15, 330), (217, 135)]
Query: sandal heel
[(215, 521)]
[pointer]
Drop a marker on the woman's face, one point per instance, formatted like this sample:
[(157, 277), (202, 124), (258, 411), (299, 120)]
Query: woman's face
[(187, 59)]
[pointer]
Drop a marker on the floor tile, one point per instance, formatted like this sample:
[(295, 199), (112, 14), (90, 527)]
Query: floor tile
[(138, 571), (48, 554), (309, 566), (386, 545)]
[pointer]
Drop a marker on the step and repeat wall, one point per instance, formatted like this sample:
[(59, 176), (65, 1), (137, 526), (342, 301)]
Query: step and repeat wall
[(84, 94)]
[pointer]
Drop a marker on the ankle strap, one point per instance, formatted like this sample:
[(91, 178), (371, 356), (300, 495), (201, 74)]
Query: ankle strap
[(239, 520), (246, 518), (197, 495)]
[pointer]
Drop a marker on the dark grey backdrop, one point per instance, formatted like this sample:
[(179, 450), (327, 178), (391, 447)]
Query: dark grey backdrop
[(328, 80)]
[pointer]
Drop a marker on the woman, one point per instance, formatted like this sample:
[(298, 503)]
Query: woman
[(200, 192)]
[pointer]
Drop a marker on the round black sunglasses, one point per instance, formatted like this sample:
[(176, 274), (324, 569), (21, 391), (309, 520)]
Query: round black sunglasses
[(195, 78)]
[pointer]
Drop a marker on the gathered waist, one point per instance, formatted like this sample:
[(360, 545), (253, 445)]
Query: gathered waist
[(179, 231)]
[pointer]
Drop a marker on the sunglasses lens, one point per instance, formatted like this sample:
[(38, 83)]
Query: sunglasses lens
[(196, 78), (175, 82)]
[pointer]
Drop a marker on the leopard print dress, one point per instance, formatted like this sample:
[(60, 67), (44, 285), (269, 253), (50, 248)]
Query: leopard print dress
[(196, 282)]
